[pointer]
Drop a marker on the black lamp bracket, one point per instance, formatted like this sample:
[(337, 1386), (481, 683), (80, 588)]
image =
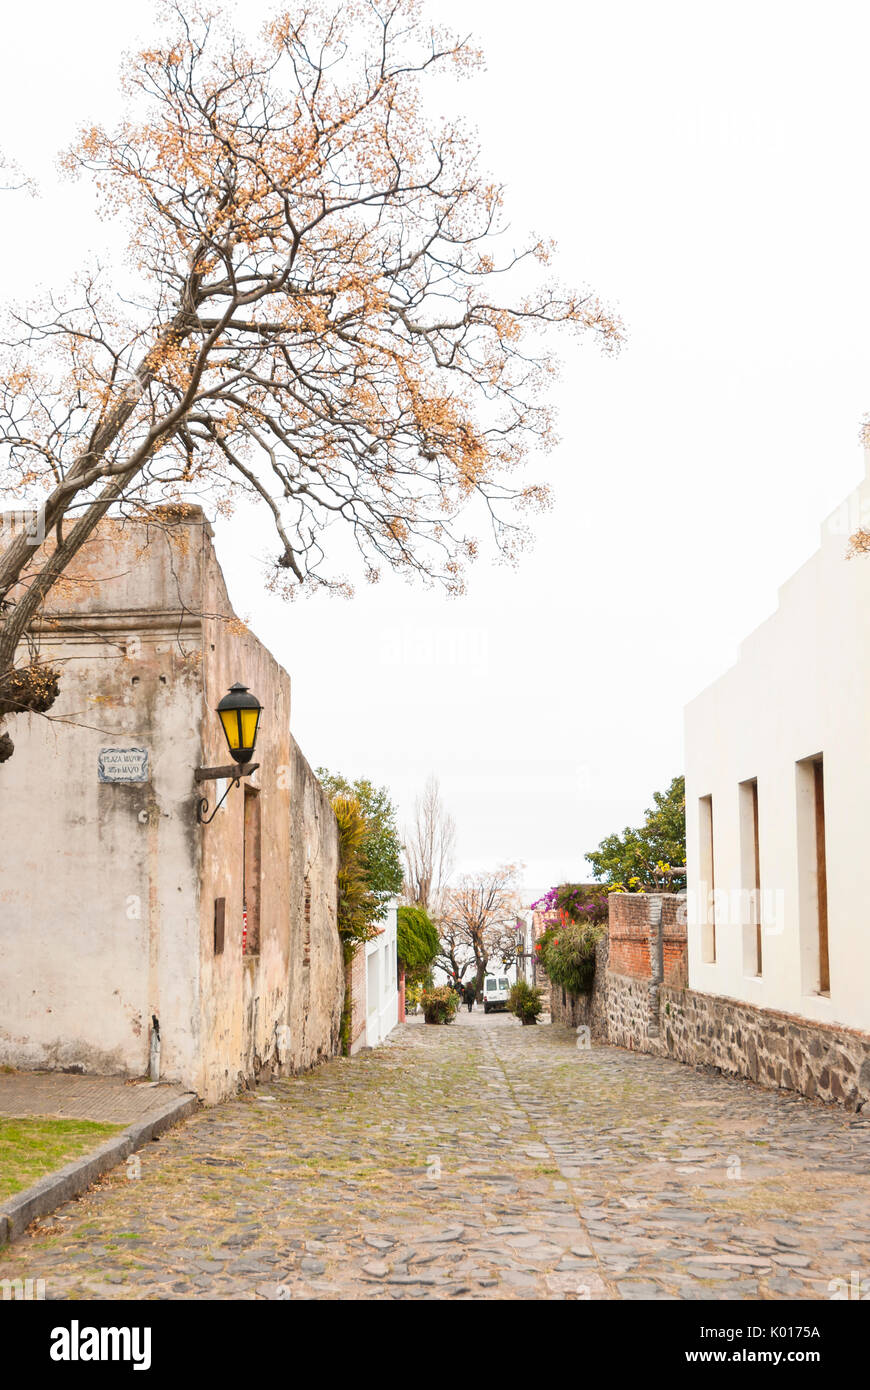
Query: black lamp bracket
[(234, 771)]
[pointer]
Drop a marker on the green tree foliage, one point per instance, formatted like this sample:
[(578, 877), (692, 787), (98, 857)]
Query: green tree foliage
[(417, 941), (632, 857), (380, 853)]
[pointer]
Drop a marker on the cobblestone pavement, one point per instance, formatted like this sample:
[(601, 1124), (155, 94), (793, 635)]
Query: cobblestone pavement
[(68, 1096), (484, 1160)]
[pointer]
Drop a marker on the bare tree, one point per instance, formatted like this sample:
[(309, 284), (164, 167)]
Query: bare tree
[(455, 957), (316, 324), (9, 170), (480, 913), (430, 844)]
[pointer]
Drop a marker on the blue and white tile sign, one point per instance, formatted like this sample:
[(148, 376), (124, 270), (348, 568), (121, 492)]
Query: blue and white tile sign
[(123, 765)]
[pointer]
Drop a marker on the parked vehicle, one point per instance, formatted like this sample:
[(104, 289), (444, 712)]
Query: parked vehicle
[(495, 992)]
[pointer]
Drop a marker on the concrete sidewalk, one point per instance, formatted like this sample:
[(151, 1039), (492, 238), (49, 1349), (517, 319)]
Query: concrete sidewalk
[(146, 1108), (112, 1100)]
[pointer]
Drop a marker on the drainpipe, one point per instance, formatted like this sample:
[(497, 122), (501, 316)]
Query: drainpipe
[(657, 964), (154, 1067)]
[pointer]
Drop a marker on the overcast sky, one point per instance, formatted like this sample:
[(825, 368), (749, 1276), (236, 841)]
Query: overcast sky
[(704, 168)]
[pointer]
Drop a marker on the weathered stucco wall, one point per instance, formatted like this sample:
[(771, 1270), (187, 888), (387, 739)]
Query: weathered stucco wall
[(317, 986), (108, 890), (278, 1007), (98, 884)]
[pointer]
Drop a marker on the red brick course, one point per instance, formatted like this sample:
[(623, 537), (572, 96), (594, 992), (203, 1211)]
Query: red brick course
[(629, 932), (358, 998)]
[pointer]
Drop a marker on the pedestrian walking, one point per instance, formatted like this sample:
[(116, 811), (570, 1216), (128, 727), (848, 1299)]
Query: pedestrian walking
[(470, 995)]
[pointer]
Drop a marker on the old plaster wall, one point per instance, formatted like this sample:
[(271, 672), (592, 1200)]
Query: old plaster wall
[(98, 885), (276, 1007), (108, 890)]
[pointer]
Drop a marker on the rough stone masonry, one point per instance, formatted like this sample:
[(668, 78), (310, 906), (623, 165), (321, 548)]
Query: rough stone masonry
[(775, 1049)]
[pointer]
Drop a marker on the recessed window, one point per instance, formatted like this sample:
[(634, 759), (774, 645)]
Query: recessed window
[(251, 870), (750, 875), (707, 881), (220, 919), (812, 876)]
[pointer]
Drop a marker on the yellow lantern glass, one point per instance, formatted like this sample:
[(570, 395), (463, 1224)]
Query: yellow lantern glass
[(239, 712), (249, 719)]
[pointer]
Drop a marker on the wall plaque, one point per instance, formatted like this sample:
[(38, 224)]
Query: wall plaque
[(123, 765)]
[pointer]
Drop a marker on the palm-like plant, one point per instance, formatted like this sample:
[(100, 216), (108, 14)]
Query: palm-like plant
[(357, 904)]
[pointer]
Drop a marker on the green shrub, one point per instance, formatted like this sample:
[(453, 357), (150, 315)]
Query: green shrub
[(439, 1005), (525, 1001), (417, 942), (568, 955)]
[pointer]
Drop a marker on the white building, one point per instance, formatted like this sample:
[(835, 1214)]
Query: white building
[(382, 982), (778, 798), (375, 986)]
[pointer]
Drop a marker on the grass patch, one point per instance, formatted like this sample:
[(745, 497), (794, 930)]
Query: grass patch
[(31, 1148)]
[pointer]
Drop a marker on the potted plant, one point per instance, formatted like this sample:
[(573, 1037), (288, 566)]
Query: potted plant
[(525, 1001), (439, 1005)]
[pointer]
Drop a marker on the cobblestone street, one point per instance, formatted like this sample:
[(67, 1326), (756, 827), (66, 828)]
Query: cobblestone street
[(483, 1160)]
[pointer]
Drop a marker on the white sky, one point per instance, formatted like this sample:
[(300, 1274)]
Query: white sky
[(704, 168)]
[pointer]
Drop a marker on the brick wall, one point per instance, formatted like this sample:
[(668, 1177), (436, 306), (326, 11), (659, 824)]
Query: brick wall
[(629, 933), (358, 999), (674, 940)]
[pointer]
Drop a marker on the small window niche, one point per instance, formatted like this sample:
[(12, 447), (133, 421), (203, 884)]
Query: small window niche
[(750, 877), (812, 875), (707, 881), (220, 921)]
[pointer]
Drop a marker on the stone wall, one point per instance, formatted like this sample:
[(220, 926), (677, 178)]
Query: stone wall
[(776, 1050), (570, 1010)]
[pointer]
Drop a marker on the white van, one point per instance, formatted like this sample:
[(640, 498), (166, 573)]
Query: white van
[(495, 992)]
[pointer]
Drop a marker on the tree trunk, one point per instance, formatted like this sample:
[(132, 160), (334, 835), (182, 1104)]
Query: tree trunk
[(478, 983)]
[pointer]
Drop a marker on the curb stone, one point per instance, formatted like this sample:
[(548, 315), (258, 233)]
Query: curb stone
[(52, 1191)]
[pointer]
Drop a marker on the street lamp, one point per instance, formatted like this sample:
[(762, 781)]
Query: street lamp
[(239, 712)]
